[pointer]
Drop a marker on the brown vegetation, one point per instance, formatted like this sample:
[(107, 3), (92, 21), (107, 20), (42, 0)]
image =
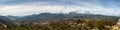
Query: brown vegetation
[(77, 24)]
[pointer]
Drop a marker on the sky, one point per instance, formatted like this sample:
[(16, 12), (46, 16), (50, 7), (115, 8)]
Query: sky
[(28, 7)]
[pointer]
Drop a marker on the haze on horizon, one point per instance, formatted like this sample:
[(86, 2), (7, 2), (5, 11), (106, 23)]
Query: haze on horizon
[(27, 7)]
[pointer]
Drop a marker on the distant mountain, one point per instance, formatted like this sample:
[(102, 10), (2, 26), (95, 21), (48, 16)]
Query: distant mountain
[(54, 16), (5, 20), (12, 17), (38, 16)]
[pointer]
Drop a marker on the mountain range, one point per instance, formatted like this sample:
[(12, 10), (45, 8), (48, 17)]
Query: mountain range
[(9, 20), (6, 21), (61, 16)]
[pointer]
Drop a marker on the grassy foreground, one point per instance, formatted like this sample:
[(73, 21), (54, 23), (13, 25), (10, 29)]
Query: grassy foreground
[(77, 24)]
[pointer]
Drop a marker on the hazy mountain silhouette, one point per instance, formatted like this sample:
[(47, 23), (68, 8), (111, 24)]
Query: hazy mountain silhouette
[(53, 16), (12, 17), (5, 20)]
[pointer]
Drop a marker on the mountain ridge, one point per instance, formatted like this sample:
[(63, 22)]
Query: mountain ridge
[(53, 16), (6, 21)]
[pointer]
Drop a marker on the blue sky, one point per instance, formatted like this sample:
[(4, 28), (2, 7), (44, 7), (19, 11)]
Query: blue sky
[(28, 7)]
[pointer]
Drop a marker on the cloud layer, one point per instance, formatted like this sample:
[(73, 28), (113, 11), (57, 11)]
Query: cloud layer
[(27, 7)]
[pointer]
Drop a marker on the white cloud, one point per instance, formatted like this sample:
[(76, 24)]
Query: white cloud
[(35, 7), (27, 10)]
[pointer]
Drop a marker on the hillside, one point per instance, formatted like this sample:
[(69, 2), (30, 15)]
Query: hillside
[(6, 21)]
